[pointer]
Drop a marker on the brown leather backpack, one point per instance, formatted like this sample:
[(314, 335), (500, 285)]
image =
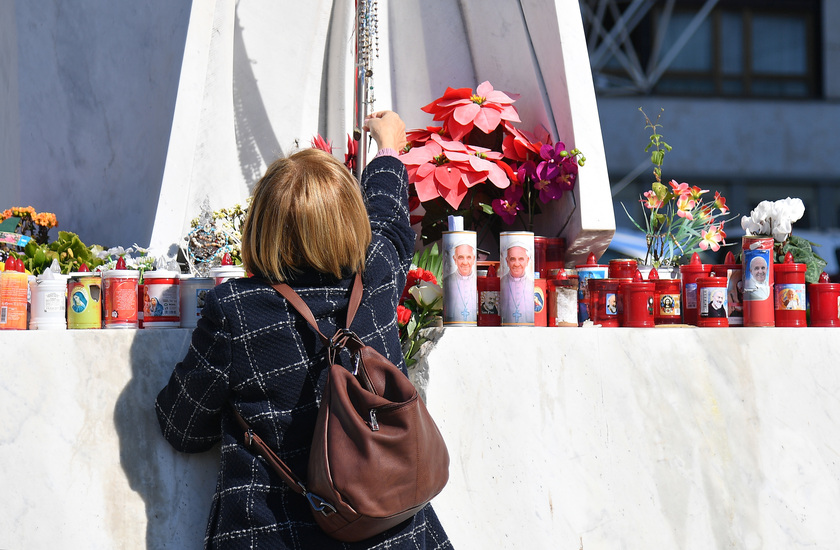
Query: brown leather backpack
[(377, 457)]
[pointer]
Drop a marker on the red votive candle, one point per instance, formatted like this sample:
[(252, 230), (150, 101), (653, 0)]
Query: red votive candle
[(711, 302), (603, 301), (666, 299), (622, 268), (789, 293), (824, 298), (690, 273), (637, 302), (733, 271)]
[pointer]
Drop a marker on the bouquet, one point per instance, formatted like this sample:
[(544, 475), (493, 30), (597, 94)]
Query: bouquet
[(679, 219), (480, 166), (775, 219), (421, 303)]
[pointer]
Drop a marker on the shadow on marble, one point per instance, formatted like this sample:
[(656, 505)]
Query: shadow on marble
[(176, 488)]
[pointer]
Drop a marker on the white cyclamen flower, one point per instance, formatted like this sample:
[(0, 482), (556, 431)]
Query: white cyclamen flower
[(785, 212), (758, 222)]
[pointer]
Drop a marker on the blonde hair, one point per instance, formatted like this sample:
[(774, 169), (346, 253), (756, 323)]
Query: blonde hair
[(307, 211)]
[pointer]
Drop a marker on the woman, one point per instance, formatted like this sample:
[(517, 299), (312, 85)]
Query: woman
[(307, 226)]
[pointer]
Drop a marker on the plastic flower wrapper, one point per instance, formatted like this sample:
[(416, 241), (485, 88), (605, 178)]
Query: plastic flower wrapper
[(49, 272), (776, 219), (421, 303), (26, 221)]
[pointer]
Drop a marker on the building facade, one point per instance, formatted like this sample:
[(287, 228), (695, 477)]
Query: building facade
[(748, 95)]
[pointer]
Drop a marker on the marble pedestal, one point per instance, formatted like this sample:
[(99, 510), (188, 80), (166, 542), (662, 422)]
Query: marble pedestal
[(613, 438)]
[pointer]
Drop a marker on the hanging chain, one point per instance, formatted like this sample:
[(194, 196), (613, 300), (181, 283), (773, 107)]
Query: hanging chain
[(367, 49)]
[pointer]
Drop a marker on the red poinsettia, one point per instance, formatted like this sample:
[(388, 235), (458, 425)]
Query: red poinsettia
[(419, 136), (478, 143), (415, 277), (447, 169), (350, 157), (521, 146), (323, 144), (460, 109)]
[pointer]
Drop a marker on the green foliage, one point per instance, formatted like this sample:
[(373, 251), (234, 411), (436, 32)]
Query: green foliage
[(424, 302), (677, 220), (429, 259), (68, 249), (803, 253)]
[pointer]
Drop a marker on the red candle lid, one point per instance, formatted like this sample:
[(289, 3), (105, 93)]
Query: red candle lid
[(695, 266), (653, 275), (591, 261), (637, 277), (729, 259), (623, 261), (824, 278), (226, 259), (789, 266), (120, 263), (84, 268)]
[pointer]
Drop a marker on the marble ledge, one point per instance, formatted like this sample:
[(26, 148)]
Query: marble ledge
[(620, 438)]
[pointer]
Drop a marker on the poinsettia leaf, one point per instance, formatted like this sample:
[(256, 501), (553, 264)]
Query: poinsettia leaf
[(814, 270), (796, 240)]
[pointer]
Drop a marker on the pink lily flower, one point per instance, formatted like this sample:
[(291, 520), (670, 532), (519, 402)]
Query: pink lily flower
[(684, 207), (712, 238)]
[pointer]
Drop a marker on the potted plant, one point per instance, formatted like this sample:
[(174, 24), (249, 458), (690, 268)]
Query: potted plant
[(678, 220), (479, 165), (775, 219)]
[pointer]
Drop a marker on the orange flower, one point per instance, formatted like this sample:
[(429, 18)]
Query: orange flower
[(720, 202), (696, 193), (679, 189), (712, 238)]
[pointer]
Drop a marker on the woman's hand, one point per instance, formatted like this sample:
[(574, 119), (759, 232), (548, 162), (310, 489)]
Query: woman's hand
[(387, 128)]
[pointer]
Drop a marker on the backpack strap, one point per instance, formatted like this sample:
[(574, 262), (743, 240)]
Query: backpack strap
[(343, 337), (253, 442)]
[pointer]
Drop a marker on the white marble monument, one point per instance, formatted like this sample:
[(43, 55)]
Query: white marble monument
[(617, 438)]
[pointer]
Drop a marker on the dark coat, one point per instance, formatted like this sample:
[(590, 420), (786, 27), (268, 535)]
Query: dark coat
[(252, 349)]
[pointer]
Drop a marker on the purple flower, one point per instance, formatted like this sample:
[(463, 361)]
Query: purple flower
[(552, 153), (547, 182), (509, 205)]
